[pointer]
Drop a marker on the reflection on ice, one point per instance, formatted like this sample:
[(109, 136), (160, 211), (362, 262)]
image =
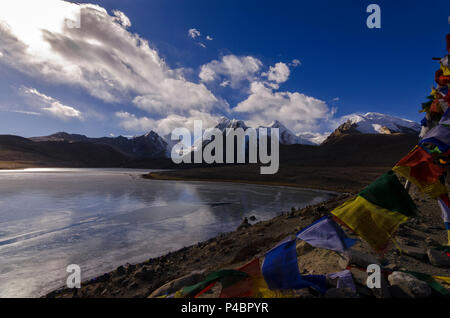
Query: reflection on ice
[(102, 218)]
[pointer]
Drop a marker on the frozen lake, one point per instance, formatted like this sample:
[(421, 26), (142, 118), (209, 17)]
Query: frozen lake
[(103, 218)]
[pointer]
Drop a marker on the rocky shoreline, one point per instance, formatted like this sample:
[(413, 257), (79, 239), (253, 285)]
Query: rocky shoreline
[(416, 241)]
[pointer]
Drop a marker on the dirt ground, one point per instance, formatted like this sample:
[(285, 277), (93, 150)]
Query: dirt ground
[(242, 245)]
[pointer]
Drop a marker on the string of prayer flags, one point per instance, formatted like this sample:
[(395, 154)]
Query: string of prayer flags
[(419, 168), (226, 277), (325, 233), (281, 272), (345, 279), (444, 204), (377, 211)]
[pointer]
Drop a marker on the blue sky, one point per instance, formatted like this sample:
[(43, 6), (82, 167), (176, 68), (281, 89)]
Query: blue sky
[(99, 80)]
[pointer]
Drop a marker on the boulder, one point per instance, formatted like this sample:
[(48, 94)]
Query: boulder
[(438, 258), (360, 279), (177, 284), (405, 285), (415, 252), (353, 257), (145, 273), (244, 224)]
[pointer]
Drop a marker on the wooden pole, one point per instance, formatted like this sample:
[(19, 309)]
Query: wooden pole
[(407, 185)]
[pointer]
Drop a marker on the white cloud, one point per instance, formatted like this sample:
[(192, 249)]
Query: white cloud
[(278, 73), (202, 45), (102, 56), (165, 125), (122, 18), (297, 111), (62, 111), (233, 68), (25, 112), (51, 105), (295, 63), (209, 38), (179, 96), (336, 99), (194, 33), (225, 83)]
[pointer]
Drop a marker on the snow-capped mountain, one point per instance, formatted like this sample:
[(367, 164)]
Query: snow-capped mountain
[(225, 123), (376, 123), (313, 138), (287, 137)]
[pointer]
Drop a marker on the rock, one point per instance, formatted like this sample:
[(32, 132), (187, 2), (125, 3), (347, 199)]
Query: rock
[(244, 224), (120, 270), (360, 279), (359, 276), (340, 293), (252, 218), (103, 278), (303, 293), (438, 258), (178, 283), (132, 285), (391, 267), (430, 242), (130, 268), (415, 252), (145, 273), (404, 285), (357, 258)]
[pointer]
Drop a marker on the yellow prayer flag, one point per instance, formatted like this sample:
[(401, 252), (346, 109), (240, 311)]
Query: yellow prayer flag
[(371, 222)]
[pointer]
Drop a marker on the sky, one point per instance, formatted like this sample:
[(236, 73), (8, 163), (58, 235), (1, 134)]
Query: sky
[(125, 67)]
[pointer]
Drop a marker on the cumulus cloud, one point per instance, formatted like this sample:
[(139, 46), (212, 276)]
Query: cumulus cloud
[(109, 62), (180, 96), (209, 38), (165, 125), (102, 56), (278, 73), (296, 110), (194, 33), (122, 18), (50, 105), (233, 68)]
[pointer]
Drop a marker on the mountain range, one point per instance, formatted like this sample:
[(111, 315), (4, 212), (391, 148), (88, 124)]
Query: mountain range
[(152, 150)]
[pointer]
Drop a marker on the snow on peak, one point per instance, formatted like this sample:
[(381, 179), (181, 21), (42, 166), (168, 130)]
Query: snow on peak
[(375, 123), (230, 123)]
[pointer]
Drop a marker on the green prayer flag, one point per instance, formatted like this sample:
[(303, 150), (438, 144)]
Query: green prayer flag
[(227, 277), (387, 192), (431, 282)]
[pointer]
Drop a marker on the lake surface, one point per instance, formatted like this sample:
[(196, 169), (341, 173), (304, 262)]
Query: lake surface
[(103, 218)]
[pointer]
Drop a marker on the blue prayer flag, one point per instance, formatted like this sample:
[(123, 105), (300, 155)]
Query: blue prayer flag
[(325, 233), (280, 270)]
